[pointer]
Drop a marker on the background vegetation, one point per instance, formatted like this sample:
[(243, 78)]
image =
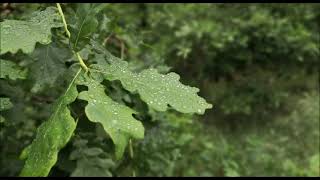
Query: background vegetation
[(258, 64)]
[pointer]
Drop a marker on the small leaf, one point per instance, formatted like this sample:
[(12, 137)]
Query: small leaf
[(157, 90), (116, 119), (83, 23), (93, 167), (11, 70), (5, 104), (93, 151), (51, 136), (89, 160), (24, 35)]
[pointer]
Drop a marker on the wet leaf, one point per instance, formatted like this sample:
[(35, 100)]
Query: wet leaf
[(157, 90), (116, 119), (17, 34), (51, 136)]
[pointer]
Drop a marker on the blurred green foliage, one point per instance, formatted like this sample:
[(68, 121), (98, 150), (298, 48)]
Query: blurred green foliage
[(257, 63)]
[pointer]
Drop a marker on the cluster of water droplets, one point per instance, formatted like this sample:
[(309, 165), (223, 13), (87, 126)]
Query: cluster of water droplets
[(159, 90), (18, 34), (116, 118)]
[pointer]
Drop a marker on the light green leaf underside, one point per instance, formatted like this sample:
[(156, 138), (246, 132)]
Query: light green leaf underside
[(11, 70), (116, 119), (17, 34), (51, 136), (5, 104), (157, 90)]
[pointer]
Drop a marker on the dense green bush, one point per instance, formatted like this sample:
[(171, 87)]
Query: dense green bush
[(258, 64)]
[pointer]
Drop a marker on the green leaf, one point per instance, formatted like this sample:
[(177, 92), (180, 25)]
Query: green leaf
[(157, 90), (2, 119), (17, 34), (51, 136), (91, 161), (11, 70), (116, 119), (83, 23), (93, 167), (48, 66), (93, 151), (5, 104)]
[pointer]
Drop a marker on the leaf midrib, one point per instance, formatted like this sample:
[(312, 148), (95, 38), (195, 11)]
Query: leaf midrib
[(69, 87)]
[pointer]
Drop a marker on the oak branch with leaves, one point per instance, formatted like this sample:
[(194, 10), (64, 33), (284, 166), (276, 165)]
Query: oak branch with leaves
[(34, 37)]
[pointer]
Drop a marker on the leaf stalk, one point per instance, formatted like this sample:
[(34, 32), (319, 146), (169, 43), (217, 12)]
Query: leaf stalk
[(83, 65)]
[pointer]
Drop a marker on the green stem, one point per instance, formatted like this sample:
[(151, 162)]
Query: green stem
[(131, 156), (122, 50), (130, 149), (64, 20), (83, 65)]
